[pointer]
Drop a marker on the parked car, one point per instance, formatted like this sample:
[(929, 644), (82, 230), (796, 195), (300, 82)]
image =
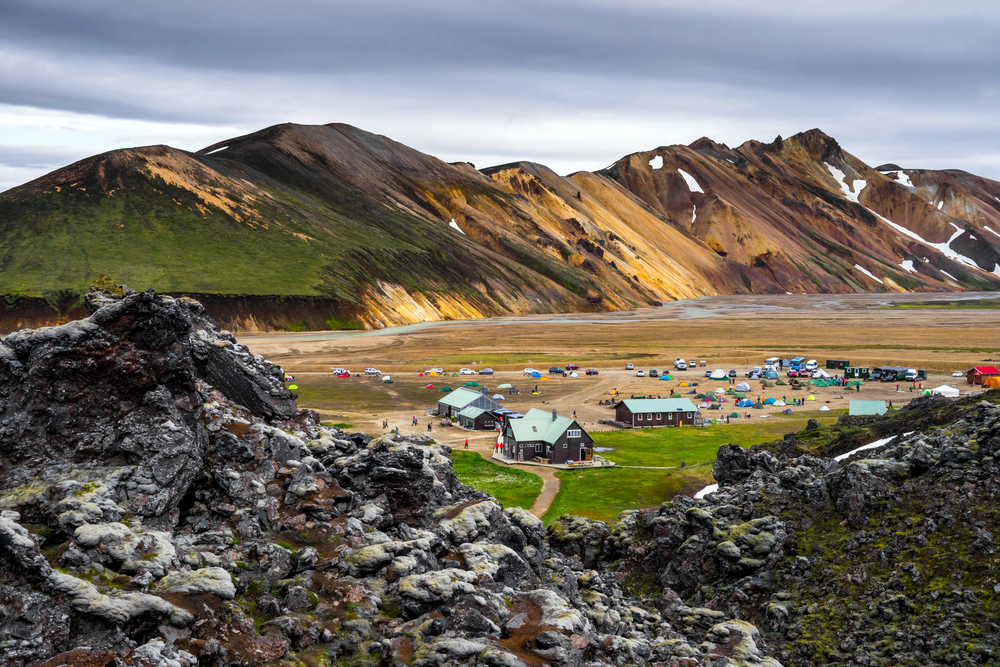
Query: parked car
[(630, 367), (373, 372), (486, 371), (732, 372), (528, 371), (792, 373), (754, 372), (467, 371), (681, 365), (653, 373), (640, 374), (708, 374), (572, 367), (957, 374), (555, 370), (593, 371), (338, 370)]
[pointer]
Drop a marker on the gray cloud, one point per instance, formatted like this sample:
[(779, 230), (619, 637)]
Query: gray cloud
[(572, 84)]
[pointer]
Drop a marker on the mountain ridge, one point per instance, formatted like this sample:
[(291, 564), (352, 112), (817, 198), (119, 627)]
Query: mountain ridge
[(376, 233)]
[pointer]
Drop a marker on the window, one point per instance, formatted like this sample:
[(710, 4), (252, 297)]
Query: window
[(670, 416), (565, 445), (689, 415), (573, 433), (538, 447), (638, 418), (658, 416), (649, 416)]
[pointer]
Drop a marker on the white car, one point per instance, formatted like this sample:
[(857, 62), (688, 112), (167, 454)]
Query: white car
[(528, 371), (629, 367), (338, 371), (640, 374), (373, 372), (436, 370), (467, 371), (957, 374)]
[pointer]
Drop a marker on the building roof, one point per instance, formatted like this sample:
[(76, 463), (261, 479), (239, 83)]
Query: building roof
[(636, 405), (868, 407), (538, 425), (460, 398), (984, 369), (471, 412)]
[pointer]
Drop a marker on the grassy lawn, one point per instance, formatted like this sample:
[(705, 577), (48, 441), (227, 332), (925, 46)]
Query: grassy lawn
[(603, 494), (512, 487)]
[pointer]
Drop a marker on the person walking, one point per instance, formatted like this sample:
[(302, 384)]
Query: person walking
[(414, 420), (466, 443)]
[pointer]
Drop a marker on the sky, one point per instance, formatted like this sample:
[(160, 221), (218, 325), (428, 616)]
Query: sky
[(574, 84)]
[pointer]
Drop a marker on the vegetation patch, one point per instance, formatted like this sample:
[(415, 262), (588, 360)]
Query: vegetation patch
[(512, 487)]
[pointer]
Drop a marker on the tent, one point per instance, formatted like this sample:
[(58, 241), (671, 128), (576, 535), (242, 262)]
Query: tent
[(386, 379), (745, 403), (703, 405), (675, 395), (666, 377), (781, 383), (824, 408), (445, 389), (434, 374), (293, 387), (454, 375), (505, 385), (771, 375), (739, 394), (573, 375), (471, 384), (718, 374), (742, 386), (720, 390), (778, 403), (693, 391), (767, 383), (926, 392), (715, 406), (991, 382), (810, 397), (787, 411), (770, 401), (545, 379), (498, 397), (945, 390), (683, 384), (536, 374), (734, 415), (430, 386)]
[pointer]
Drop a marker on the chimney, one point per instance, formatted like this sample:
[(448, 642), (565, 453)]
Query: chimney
[(553, 414)]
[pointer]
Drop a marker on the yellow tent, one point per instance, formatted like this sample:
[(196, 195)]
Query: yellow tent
[(991, 382), (433, 373), (545, 379), (684, 384), (810, 398)]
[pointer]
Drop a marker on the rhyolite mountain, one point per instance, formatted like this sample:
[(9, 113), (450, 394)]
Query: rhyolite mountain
[(331, 227)]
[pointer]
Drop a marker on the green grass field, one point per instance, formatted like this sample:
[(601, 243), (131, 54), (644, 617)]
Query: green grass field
[(512, 487), (604, 494)]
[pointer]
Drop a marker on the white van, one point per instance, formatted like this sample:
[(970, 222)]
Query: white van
[(811, 365), (911, 374)]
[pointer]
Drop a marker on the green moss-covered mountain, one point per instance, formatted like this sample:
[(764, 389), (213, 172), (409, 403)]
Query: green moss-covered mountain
[(329, 226)]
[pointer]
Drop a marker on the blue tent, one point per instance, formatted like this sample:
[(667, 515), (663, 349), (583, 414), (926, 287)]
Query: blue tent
[(666, 377), (745, 403), (770, 401), (536, 374)]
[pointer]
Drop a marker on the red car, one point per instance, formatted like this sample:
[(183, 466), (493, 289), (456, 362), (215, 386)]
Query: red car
[(572, 367)]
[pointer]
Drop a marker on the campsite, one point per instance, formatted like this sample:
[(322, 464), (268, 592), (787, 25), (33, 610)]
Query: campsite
[(862, 328)]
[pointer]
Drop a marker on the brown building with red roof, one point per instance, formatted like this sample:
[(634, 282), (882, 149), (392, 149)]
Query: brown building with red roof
[(977, 374)]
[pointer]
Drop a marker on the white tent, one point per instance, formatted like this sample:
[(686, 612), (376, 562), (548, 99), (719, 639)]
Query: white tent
[(720, 390), (719, 374), (742, 386), (386, 378), (819, 373), (573, 375), (946, 391), (779, 403), (823, 408)]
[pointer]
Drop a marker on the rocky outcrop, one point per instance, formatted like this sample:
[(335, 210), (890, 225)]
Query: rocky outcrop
[(164, 503)]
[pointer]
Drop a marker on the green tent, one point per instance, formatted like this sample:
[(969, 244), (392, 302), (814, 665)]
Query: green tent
[(739, 394), (471, 384), (734, 415), (781, 383), (675, 395), (767, 383), (446, 389), (454, 375), (927, 392)]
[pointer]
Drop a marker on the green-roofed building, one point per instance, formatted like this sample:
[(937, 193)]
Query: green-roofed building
[(546, 435), (647, 412), (477, 419), (462, 398), (868, 408)]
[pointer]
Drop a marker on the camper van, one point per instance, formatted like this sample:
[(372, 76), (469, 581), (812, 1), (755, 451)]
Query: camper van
[(811, 365), (774, 363)]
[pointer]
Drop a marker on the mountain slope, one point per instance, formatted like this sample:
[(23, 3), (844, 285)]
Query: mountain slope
[(346, 228)]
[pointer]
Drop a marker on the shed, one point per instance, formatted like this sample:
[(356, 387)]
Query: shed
[(868, 408), (640, 412), (460, 399), (977, 374), (838, 364), (477, 419)]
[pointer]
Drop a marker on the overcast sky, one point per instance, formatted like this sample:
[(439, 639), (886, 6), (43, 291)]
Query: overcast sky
[(574, 85)]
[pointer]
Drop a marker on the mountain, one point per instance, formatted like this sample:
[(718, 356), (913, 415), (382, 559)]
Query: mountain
[(333, 227)]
